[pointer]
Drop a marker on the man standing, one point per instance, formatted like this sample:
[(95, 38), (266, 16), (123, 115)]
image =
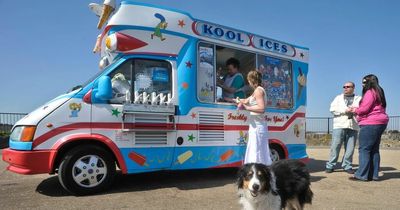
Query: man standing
[(345, 128)]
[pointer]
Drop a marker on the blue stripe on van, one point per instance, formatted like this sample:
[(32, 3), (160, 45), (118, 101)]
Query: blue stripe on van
[(297, 151), (17, 145)]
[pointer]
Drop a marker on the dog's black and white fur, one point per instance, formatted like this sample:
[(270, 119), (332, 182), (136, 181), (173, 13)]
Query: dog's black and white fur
[(284, 184)]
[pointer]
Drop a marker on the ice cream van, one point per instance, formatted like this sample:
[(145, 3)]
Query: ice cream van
[(155, 104)]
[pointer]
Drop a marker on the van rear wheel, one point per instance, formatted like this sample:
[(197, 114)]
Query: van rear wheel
[(276, 152), (86, 170)]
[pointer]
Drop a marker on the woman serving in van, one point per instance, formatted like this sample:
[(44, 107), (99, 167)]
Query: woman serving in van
[(257, 150), (232, 83)]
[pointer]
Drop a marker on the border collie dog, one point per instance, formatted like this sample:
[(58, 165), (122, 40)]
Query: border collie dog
[(284, 184)]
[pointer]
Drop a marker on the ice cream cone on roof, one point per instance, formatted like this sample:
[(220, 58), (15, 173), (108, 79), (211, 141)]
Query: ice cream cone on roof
[(108, 8)]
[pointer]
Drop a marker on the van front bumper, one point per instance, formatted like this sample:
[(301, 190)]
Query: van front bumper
[(29, 162)]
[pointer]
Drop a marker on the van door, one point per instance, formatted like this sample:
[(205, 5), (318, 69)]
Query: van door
[(140, 116)]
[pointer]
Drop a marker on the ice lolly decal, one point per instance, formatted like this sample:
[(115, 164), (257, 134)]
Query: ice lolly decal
[(139, 159), (226, 155), (301, 82), (185, 156)]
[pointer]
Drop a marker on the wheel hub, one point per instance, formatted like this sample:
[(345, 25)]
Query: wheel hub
[(89, 171)]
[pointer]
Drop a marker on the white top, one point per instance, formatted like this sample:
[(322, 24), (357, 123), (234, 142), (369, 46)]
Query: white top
[(253, 102), (338, 109)]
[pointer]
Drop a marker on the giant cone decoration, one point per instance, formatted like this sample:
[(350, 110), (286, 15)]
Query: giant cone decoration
[(108, 8), (128, 43)]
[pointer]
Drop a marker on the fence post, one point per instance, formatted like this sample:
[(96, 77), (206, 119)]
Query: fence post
[(328, 125)]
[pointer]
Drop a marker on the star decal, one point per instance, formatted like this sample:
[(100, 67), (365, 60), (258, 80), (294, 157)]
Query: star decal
[(188, 64), (191, 137), (115, 112), (301, 54), (181, 23), (193, 115)]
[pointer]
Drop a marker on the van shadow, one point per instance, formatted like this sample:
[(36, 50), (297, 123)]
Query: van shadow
[(183, 180), (316, 166)]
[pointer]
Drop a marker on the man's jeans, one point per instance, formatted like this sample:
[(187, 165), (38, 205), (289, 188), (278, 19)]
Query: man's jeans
[(369, 157), (340, 136)]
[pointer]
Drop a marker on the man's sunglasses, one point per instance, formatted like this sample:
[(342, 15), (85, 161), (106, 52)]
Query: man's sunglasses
[(347, 87)]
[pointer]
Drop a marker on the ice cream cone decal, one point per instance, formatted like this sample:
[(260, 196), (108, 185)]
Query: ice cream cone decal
[(184, 156), (108, 8), (162, 25), (301, 83), (137, 158)]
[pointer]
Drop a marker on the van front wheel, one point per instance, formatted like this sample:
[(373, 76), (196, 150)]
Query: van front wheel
[(86, 170)]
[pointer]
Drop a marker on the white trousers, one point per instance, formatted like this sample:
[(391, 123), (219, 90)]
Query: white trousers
[(257, 150)]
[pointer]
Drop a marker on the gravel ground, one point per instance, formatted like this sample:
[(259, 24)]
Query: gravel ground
[(202, 189)]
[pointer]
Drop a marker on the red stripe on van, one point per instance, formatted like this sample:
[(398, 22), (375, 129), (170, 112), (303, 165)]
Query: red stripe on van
[(157, 126)]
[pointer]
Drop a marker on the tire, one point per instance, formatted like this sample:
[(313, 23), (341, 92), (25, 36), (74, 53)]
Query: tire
[(276, 152), (3, 142), (86, 170)]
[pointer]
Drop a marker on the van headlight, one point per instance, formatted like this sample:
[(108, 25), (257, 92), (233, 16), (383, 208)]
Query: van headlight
[(23, 133)]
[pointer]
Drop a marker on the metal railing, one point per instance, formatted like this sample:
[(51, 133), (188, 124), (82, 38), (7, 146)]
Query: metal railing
[(7, 120), (324, 124)]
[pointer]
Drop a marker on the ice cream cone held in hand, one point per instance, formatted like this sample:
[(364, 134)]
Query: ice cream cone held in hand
[(301, 83)]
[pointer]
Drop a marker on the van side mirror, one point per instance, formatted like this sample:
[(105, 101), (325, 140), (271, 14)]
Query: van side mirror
[(103, 90)]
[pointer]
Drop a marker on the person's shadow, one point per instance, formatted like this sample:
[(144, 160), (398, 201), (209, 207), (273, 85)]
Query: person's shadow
[(389, 173), (183, 180), (319, 165)]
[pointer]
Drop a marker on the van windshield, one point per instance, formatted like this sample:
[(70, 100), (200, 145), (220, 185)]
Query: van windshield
[(87, 82)]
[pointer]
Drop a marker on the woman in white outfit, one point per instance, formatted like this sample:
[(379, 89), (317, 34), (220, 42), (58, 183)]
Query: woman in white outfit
[(257, 150)]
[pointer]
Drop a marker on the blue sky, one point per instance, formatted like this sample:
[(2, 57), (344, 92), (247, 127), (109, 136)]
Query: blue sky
[(46, 46)]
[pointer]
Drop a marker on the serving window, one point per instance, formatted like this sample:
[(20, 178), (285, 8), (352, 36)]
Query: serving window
[(277, 81), (277, 74), (212, 67)]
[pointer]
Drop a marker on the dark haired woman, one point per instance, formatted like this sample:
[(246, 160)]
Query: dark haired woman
[(372, 119), (257, 150)]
